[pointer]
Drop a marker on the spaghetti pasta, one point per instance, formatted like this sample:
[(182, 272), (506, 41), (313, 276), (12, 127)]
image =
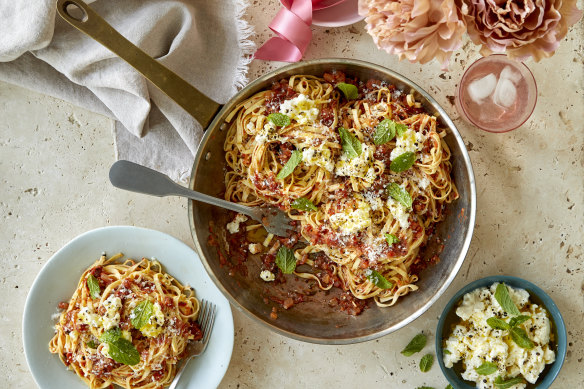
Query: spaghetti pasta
[(128, 323), (371, 183)]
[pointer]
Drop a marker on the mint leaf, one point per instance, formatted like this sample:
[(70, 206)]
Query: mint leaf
[(504, 299), (285, 260), (384, 132), (498, 324), (141, 314), (403, 162), (399, 194), (111, 335), (93, 285), (303, 204), (520, 337), (415, 345), (91, 344), (279, 119), (426, 363), (391, 239), (378, 279), (449, 387), (123, 351), (501, 384), (349, 90), (289, 167), (487, 368), (515, 321), (400, 129), (351, 145), (446, 351)]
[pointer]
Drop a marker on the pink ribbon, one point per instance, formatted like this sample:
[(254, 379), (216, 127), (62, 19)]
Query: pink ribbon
[(292, 27)]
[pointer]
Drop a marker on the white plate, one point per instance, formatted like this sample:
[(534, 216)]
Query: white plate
[(59, 277)]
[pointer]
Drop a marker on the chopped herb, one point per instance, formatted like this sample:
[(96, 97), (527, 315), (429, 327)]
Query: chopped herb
[(520, 337), (141, 314), (498, 324), (403, 162), (279, 119), (286, 260), (378, 279), (400, 194), (504, 299), (502, 384), (289, 167), (123, 351), (426, 363), (400, 129), (351, 145), (93, 285), (515, 321), (391, 239), (91, 344), (415, 345), (384, 131), (303, 204), (111, 335), (349, 90), (487, 368)]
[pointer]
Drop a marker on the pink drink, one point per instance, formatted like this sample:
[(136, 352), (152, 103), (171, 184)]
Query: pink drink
[(496, 94)]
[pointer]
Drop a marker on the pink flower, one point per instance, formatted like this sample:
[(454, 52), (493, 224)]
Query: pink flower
[(520, 28), (419, 30)]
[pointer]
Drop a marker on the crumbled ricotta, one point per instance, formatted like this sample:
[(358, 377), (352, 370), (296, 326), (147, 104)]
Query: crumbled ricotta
[(319, 156), (474, 341), (267, 276), (268, 132), (409, 140), (87, 316), (255, 248), (300, 108), (112, 307), (361, 166), (399, 212), (351, 220), (233, 226)]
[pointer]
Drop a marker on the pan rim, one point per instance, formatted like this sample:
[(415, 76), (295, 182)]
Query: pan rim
[(332, 62)]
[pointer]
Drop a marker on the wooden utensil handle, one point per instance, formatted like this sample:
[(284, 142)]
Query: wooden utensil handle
[(202, 108)]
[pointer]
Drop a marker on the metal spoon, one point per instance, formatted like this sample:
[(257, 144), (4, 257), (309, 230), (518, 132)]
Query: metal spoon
[(137, 178)]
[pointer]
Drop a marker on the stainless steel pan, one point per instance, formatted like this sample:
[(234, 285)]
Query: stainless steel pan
[(309, 321)]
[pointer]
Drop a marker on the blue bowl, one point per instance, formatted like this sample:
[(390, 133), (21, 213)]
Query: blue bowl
[(537, 295)]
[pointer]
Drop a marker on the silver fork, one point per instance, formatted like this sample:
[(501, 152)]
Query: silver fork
[(206, 320), (137, 178)]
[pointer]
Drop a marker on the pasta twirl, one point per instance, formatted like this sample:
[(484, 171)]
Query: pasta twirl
[(128, 323)]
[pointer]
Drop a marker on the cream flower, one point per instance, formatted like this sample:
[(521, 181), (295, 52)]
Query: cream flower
[(419, 30), (520, 28)]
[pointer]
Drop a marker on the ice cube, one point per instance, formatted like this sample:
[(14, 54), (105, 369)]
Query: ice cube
[(481, 88), (505, 93), (510, 74)]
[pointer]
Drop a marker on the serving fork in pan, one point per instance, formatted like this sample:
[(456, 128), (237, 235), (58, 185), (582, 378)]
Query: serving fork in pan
[(137, 178)]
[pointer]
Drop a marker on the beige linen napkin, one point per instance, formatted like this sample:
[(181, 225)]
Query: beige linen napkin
[(205, 42)]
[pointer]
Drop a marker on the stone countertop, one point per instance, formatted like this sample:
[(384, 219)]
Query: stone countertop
[(54, 160)]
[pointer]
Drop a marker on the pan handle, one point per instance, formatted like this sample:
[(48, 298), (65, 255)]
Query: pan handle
[(86, 20)]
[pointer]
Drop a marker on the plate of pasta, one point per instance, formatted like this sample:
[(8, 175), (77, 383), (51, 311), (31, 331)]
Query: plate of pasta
[(106, 309)]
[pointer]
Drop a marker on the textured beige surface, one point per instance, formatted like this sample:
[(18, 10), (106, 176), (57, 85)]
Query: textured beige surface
[(54, 160)]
